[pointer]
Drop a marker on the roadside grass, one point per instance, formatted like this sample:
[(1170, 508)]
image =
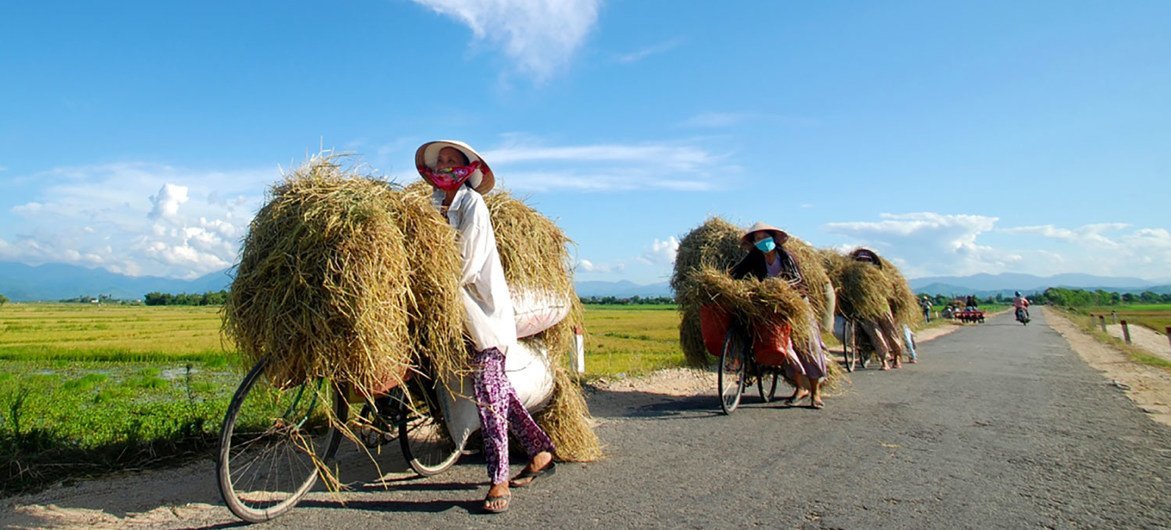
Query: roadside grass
[(1087, 321), (60, 420)]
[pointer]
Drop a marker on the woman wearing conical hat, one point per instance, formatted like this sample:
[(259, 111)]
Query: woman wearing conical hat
[(460, 177), (767, 258)]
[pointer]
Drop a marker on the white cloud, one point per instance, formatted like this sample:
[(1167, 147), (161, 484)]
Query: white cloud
[(528, 165), (1093, 234), (167, 202), (137, 218), (540, 36), (661, 252), (654, 49), (929, 243), (933, 244), (587, 266)]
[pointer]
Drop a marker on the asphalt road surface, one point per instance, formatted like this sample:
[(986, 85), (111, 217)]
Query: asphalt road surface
[(1000, 425)]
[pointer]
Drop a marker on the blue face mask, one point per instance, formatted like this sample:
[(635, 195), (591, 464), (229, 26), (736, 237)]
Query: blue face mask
[(766, 245)]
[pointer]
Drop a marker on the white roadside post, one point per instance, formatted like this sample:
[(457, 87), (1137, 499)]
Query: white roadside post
[(578, 350)]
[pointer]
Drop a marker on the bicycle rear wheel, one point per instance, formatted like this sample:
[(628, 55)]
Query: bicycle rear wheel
[(426, 445), (732, 370), (273, 441), (850, 346)]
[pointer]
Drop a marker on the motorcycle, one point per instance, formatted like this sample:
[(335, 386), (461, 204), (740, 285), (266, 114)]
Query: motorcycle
[(1022, 316)]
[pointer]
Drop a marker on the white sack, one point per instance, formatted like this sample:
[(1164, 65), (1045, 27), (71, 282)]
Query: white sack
[(537, 311), (527, 369)]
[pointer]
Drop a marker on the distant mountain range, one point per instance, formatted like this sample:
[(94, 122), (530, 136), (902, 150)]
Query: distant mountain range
[(50, 282), (53, 281)]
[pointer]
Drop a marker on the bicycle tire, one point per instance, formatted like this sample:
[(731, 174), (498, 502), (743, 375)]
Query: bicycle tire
[(772, 393), (850, 346), (268, 462), (423, 437), (731, 355)]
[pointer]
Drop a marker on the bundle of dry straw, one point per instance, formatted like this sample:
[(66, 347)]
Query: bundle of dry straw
[(322, 288), (903, 303), (868, 292), (758, 303), (715, 243), (435, 309), (567, 420)]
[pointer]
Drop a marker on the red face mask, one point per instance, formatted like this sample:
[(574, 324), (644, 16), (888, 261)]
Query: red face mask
[(449, 179)]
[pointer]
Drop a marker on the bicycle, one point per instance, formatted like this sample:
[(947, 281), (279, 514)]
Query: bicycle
[(277, 438), (736, 362)]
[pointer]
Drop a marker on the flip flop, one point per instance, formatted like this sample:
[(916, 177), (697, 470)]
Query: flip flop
[(493, 498), (818, 405), (527, 477), (792, 402)]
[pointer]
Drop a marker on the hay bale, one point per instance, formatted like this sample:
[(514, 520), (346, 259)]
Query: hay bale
[(757, 302), (715, 243), (322, 288), (903, 303), (868, 292), (567, 420), (777, 301), (435, 310), (863, 290), (813, 271)]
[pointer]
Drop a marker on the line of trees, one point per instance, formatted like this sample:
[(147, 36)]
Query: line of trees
[(1082, 298), (633, 300), (208, 298)]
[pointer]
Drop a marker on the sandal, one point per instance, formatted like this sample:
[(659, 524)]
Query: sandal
[(818, 405), (527, 477), (493, 504), (794, 400)]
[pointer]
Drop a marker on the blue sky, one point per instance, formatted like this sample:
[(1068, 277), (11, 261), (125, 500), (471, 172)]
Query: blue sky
[(953, 137)]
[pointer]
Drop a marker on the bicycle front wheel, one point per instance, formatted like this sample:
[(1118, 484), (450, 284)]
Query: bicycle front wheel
[(760, 384), (731, 373), (274, 440)]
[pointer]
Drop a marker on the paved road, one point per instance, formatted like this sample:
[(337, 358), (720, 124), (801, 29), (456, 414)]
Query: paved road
[(999, 426)]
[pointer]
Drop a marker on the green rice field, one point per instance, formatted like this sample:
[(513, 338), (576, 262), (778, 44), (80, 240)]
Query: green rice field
[(1156, 317), (93, 388)]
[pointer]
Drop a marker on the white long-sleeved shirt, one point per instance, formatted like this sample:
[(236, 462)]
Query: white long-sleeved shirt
[(488, 312)]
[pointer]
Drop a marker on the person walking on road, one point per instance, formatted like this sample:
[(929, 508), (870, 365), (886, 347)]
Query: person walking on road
[(460, 176)]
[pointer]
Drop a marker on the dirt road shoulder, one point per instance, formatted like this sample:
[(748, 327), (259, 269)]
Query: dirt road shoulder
[(1147, 386)]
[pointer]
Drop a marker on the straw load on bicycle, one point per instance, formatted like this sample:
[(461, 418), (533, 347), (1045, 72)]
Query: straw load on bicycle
[(706, 292), (350, 278), (873, 292)]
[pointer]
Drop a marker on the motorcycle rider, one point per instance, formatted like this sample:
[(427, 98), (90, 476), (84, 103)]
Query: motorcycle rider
[(1022, 306)]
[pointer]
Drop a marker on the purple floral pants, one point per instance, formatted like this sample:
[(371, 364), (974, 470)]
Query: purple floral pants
[(501, 410)]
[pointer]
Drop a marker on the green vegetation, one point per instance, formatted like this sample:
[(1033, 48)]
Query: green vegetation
[(92, 388), (631, 339), (3, 299), (1153, 316), (1081, 298), (156, 298), (1156, 317)]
